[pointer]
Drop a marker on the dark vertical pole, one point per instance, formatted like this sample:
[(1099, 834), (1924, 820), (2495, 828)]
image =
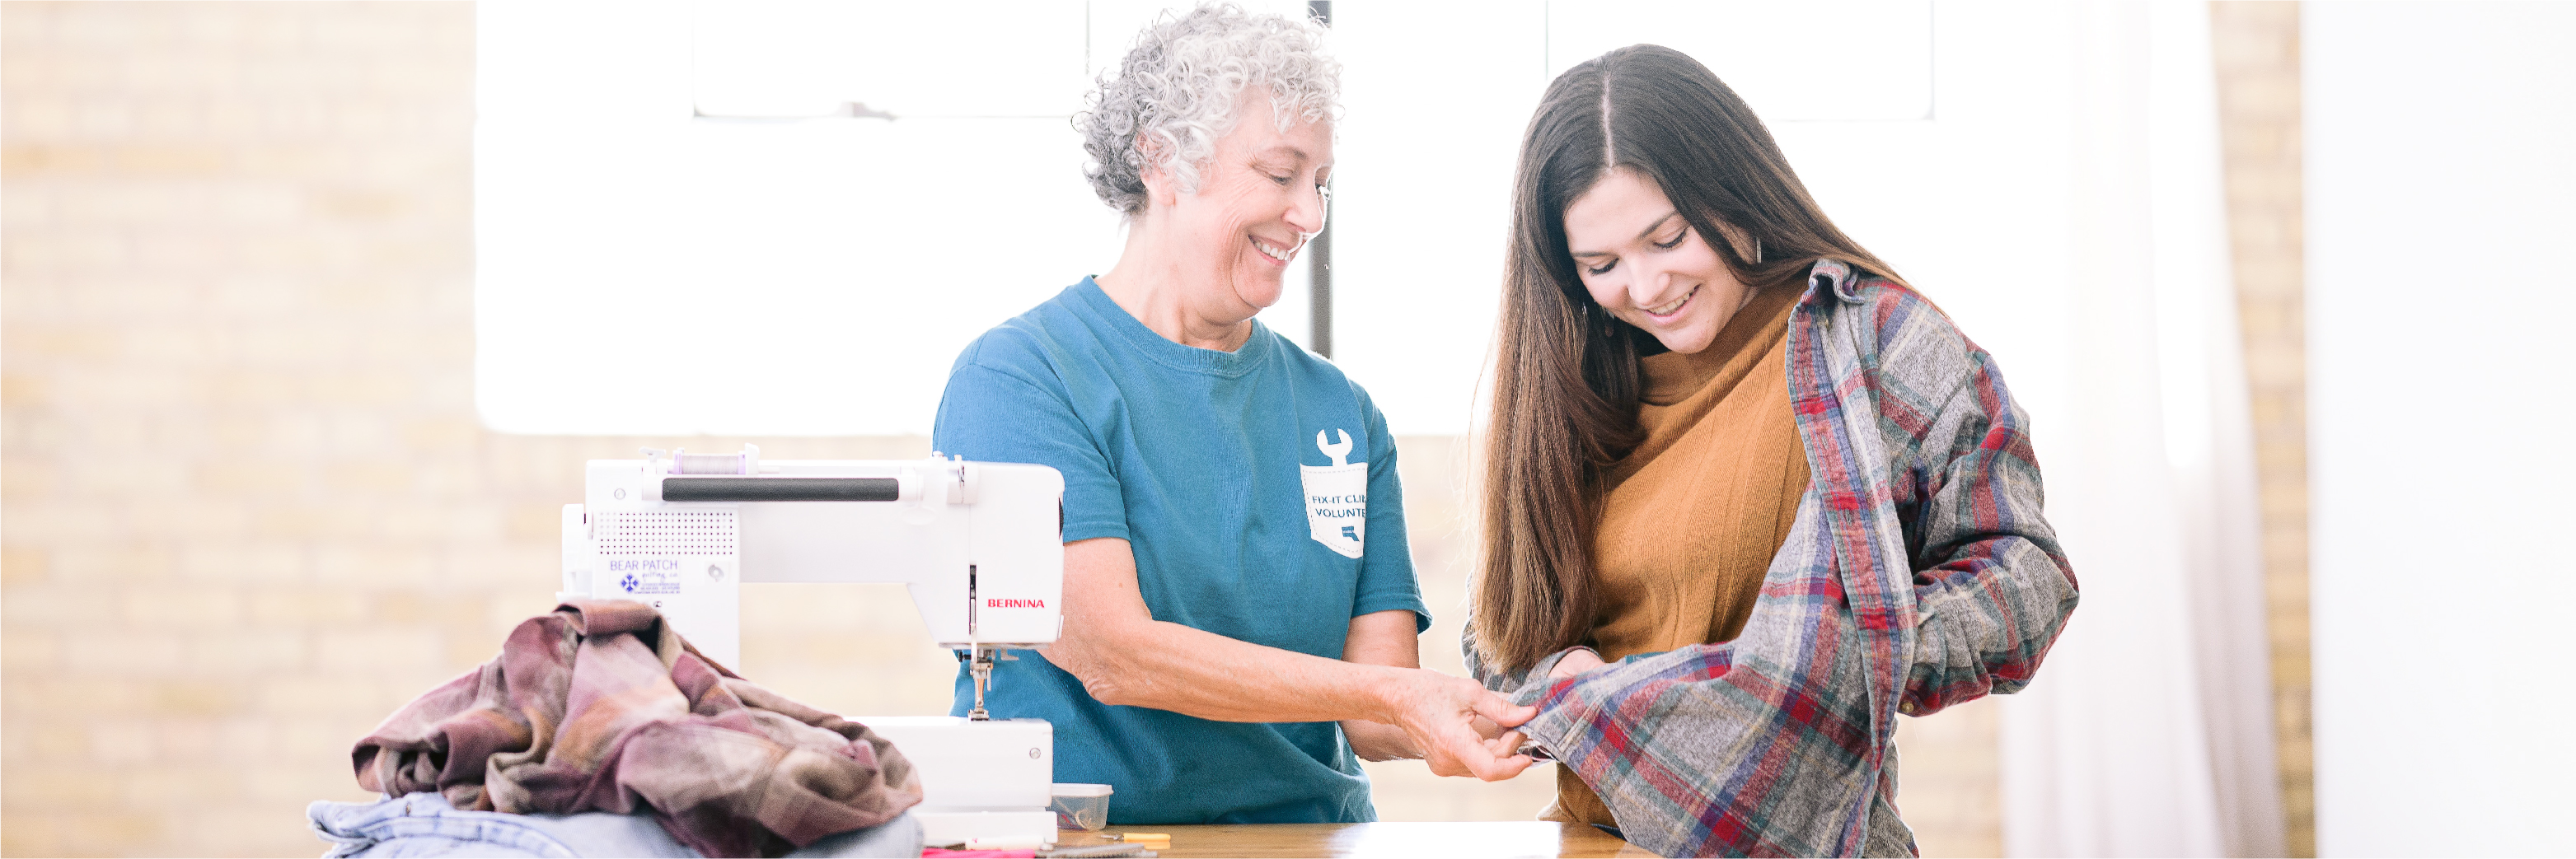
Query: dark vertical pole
[(1319, 250)]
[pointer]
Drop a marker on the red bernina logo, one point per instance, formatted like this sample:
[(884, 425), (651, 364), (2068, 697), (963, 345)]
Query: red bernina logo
[(1003, 603)]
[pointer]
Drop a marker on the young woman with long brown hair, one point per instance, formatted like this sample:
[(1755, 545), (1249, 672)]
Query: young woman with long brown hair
[(1735, 456)]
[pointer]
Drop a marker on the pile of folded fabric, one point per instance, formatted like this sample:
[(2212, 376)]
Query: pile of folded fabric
[(600, 707)]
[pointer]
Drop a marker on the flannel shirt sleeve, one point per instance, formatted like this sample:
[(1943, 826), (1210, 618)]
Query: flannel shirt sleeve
[(1992, 587), (1484, 671)]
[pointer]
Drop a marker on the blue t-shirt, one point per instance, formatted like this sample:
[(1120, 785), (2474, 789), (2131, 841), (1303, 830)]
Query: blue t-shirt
[(1258, 490)]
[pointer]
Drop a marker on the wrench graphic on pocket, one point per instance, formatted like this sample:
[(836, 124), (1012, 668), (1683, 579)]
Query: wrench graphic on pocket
[(1341, 451)]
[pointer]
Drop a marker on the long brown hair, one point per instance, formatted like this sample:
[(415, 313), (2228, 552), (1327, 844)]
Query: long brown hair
[(1565, 372)]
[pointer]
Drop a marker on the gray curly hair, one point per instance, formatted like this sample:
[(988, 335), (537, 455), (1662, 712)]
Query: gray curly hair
[(1178, 87)]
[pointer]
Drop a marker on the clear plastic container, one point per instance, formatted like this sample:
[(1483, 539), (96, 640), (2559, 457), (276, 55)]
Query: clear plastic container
[(1081, 806)]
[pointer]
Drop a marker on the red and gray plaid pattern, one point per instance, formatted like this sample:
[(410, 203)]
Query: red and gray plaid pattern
[(1919, 574)]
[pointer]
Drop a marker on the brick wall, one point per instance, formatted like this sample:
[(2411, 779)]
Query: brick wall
[(2256, 46), (249, 510)]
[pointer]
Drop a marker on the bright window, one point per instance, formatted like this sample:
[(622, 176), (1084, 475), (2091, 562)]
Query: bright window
[(696, 217)]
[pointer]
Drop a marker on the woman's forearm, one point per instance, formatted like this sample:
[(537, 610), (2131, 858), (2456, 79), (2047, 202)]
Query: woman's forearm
[(1123, 656), (1393, 639), (1378, 741), (1167, 666)]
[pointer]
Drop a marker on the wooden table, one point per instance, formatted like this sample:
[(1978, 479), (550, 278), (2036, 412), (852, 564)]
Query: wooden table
[(1259, 841)]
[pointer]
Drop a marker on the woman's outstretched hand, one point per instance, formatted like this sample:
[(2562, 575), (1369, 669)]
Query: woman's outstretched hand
[(1438, 713)]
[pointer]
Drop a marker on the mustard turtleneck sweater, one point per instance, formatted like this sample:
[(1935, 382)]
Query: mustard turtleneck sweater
[(1694, 514)]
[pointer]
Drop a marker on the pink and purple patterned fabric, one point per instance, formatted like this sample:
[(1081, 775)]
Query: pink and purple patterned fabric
[(600, 706)]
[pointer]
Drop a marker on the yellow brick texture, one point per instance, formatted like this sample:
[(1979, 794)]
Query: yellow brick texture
[(2256, 47), (246, 509)]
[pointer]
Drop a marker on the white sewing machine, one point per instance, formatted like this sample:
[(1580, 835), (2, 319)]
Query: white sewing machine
[(979, 545)]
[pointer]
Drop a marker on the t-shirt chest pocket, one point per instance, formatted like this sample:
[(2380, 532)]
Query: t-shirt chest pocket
[(1336, 496)]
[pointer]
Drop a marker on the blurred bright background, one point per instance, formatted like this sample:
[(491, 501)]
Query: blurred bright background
[(310, 312)]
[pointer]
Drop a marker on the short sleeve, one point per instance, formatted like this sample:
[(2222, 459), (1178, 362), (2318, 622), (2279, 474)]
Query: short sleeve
[(1387, 581), (993, 414)]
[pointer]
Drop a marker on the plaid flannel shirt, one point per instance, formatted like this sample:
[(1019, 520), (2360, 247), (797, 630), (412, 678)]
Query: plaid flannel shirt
[(1919, 574)]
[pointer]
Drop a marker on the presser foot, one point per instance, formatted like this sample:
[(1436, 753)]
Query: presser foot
[(979, 665)]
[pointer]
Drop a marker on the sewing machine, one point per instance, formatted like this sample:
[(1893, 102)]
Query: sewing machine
[(979, 546)]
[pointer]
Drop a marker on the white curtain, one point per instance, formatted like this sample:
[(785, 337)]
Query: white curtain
[(2438, 173), (2149, 731)]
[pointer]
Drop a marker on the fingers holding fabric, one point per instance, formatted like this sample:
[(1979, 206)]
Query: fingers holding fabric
[(1459, 752), (1442, 713)]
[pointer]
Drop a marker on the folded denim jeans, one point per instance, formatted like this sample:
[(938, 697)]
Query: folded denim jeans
[(423, 824)]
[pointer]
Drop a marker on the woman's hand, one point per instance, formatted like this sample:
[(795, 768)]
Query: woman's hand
[(1438, 715), (1580, 660)]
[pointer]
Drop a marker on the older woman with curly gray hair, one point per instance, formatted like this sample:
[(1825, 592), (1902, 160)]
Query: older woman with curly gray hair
[(1240, 605)]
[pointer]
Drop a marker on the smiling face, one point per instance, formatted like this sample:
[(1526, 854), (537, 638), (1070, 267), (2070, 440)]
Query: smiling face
[(1259, 199), (1649, 268)]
